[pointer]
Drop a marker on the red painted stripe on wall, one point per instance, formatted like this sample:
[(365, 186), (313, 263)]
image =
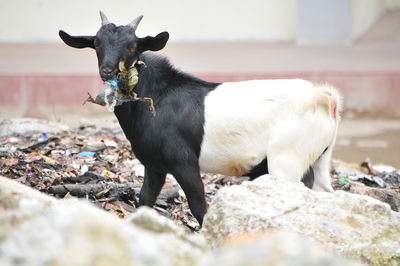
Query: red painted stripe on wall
[(373, 90)]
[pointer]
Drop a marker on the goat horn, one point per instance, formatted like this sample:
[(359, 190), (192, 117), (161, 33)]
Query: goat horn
[(134, 24), (104, 19)]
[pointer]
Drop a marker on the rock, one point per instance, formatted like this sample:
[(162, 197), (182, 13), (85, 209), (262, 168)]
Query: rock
[(351, 171), (272, 248), (384, 168), (27, 126), (150, 220), (357, 227), (38, 230), (19, 203), (387, 195), (94, 146)]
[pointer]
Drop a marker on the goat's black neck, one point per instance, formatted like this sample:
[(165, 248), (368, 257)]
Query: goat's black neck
[(159, 80), (157, 77)]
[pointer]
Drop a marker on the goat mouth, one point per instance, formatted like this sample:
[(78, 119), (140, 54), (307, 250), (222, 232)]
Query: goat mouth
[(108, 77)]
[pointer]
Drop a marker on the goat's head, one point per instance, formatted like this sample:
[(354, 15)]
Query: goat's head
[(114, 44)]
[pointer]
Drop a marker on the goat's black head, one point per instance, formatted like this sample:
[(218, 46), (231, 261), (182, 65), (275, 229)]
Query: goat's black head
[(116, 43)]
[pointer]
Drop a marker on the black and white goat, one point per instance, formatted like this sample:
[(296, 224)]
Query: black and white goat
[(228, 128)]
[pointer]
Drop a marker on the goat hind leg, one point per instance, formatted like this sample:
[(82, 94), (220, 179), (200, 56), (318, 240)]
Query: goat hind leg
[(189, 179), (321, 167), (308, 178), (286, 165)]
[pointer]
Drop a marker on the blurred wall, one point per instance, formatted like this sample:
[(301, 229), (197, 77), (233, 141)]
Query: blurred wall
[(323, 22), (189, 20), (365, 13), (392, 4), (193, 20), (337, 21)]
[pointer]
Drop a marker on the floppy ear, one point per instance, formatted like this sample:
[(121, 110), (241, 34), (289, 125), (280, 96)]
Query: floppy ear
[(77, 41), (153, 43)]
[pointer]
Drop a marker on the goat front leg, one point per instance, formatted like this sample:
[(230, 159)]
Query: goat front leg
[(153, 182), (189, 179)]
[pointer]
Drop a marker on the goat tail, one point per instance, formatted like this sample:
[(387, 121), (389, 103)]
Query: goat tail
[(328, 99)]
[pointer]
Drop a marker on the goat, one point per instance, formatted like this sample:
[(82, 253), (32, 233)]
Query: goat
[(283, 127)]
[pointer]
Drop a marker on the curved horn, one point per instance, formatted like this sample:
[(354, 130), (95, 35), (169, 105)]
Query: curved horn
[(104, 19), (134, 24)]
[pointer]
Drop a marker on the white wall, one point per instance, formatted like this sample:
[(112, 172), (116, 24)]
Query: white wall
[(323, 22), (337, 21), (186, 20), (365, 13), (392, 4)]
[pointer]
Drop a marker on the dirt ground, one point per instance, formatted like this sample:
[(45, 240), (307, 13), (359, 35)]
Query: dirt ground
[(364, 137)]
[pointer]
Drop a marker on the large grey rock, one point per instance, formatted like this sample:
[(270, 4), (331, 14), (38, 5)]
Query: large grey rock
[(387, 195), (38, 230), (149, 219), (272, 248), (26, 126), (357, 227), (19, 203)]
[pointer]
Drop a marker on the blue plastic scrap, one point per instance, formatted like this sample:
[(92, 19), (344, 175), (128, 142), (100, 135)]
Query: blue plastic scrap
[(86, 154), (43, 136), (110, 96)]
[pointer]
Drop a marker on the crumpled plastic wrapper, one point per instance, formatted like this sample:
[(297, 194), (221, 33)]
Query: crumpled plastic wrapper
[(110, 97), (113, 96)]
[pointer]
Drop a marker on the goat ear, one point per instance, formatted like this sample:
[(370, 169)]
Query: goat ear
[(77, 41), (154, 43)]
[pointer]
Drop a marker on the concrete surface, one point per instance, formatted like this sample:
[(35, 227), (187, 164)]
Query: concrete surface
[(375, 138)]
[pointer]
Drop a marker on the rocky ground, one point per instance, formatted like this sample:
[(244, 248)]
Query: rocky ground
[(97, 164), (263, 222)]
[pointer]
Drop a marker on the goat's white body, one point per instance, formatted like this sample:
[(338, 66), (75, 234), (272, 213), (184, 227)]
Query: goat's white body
[(283, 120)]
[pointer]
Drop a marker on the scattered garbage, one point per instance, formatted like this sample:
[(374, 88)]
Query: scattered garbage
[(344, 180), (382, 183), (67, 152), (33, 159), (85, 154), (12, 140), (366, 173), (43, 136), (94, 146), (139, 170), (110, 177), (110, 143), (384, 168)]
